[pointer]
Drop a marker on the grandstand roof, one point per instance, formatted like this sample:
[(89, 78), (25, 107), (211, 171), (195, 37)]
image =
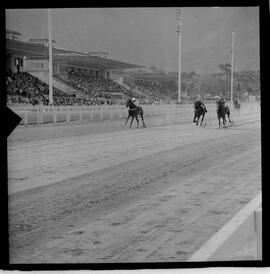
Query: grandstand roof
[(155, 77), (29, 49), (94, 62), (63, 56)]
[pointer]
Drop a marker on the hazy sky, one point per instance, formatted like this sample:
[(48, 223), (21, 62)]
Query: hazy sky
[(145, 36)]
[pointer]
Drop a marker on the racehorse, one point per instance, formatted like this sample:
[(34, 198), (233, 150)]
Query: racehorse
[(198, 111), (237, 105), (133, 112), (222, 111)]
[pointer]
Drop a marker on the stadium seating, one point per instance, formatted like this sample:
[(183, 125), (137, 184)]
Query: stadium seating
[(24, 88), (155, 92), (93, 87)]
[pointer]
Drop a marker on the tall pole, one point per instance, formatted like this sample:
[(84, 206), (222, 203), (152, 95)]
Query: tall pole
[(179, 24), (50, 58), (232, 69)]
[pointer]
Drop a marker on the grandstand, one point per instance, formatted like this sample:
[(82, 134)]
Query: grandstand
[(83, 78), (77, 77), (156, 87)]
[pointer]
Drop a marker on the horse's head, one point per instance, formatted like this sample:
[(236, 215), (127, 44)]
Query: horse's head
[(221, 109), (128, 102)]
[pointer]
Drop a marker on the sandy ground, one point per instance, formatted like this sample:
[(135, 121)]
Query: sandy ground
[(100, 192)]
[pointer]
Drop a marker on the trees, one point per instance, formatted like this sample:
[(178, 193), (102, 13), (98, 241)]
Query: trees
[(226, 69), (248, 81)]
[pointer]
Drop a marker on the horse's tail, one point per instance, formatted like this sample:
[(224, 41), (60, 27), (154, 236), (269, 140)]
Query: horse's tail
[(204, 109), (140, 110), (227, 110)]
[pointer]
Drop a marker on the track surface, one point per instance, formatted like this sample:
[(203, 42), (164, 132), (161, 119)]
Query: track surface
[(87, 193)]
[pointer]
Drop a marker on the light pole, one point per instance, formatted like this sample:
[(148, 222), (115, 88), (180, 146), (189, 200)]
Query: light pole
[(179, 25), (232, 69), (50, 57)]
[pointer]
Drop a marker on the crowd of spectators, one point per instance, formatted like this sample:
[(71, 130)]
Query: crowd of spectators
[(153, 91), (22, 87), (91, 86)]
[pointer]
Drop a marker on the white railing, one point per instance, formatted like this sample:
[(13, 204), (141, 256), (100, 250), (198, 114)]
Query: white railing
[(247, 224), (53, 114)]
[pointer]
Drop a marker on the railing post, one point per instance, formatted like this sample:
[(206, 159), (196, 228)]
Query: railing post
[(38, 115), (41, 115), (80, 113), (92, 113), (67, 114), (54, 115), (111, 112), (101, 112), (25, 117)]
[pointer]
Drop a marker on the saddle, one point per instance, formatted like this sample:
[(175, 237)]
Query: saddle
[(220, 105), (201, 106), (133, 110)]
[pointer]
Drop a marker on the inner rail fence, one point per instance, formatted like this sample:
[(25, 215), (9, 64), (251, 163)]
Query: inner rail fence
[(55, 114), (231, 241)]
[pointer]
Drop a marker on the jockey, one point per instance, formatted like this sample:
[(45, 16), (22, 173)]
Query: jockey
[(198, 103), (133, 100), (221, 102)]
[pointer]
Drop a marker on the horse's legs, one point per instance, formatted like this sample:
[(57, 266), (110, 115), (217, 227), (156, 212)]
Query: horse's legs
[(202, 118), (143, 120), (127, 118), (194, 118), (131, 121), (198, 118), (224, 120), (229, 117), (137, 120)]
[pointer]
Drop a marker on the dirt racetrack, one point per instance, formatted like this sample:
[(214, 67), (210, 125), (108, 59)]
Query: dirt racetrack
[(100, 192)]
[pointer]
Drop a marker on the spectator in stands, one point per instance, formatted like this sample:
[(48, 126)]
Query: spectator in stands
[(24, 85)]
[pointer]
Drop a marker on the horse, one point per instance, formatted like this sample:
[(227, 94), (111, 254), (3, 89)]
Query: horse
[(222, 111), (237, 105), (199, 110), (133, 112)]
